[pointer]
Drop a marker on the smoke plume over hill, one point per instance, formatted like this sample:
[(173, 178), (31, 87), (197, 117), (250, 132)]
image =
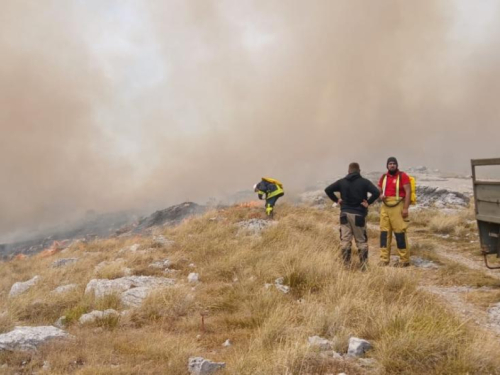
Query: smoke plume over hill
[(134, 104)]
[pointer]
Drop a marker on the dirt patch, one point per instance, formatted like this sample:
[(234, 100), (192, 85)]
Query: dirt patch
[(475, 264), (454, 298)]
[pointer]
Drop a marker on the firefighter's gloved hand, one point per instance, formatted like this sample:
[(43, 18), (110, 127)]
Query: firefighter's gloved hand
[(260, 196)]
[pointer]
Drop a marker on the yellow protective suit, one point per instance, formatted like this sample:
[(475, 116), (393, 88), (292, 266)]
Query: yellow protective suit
[(391, 221)]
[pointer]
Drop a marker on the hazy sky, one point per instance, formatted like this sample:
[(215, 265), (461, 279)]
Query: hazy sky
[(110, 105)]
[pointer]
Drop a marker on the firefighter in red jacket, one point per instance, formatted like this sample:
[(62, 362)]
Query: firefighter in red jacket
[(395, 193)]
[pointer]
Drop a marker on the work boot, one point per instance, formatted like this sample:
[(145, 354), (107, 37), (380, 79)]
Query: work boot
[(363, 259), (383, 264), (346, 258)]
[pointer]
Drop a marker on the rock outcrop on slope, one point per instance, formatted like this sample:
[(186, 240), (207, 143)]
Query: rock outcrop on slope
[(29, 338), (132, 289), (170, 216), (428, 196), (101, 226), (23, 286), (202, 366)]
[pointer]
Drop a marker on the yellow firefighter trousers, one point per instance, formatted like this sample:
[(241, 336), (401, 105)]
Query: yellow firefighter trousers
[(391, 220)]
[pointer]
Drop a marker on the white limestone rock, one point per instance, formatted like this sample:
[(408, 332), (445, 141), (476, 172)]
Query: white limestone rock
[(22, 287), (135, 296), (193, 277), (494, 314), (202, 366), (131, 289), (103, 287), (358, 347), (98, 315), (423, 263), (134, 247), (278, 283), (428, 196), (320, 343), (29, 338), (61, 322), (254, 226), (64, 288), (161, 264)]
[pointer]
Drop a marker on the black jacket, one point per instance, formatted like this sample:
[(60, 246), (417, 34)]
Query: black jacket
[(353, 189), (266, 187)]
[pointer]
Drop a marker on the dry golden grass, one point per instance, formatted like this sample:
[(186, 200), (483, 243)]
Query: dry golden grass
[(410, 331), (444, 224), (373, 214), (459, 224), (422, 217), (458, 274)]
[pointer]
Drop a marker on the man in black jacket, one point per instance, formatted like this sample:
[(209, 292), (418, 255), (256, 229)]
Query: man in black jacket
[(354, 202)]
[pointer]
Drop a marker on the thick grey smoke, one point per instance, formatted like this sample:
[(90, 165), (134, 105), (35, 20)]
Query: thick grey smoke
[(127, 104)]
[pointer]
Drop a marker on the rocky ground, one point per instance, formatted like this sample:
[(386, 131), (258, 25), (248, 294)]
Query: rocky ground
[(434, 189), (229, 292)]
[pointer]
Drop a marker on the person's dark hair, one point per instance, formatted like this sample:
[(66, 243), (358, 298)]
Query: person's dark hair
[(353, 167)]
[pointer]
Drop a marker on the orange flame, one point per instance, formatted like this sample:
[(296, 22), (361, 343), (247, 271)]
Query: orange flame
[(56, 246)]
